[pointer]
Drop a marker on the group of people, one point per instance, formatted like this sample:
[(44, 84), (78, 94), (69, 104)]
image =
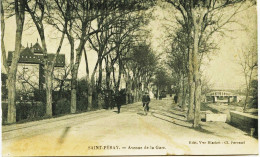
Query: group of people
[(116, 100), (113, 98)]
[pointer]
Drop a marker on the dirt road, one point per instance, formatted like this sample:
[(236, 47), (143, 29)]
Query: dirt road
[(104, 132)]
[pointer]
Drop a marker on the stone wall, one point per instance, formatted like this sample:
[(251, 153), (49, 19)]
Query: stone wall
[(244, 121)]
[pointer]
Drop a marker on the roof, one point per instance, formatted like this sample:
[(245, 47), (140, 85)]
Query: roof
[(37, 48), (34, 55), (26, 51)]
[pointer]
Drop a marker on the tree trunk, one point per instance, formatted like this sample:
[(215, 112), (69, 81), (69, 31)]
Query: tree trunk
[(119, 78), (47, 71), (91, 84), (89, 94), (197, 92), (61, 89), (197, 118), (140, 94), (248, 86), (74, 83), (190, 115), (48, 84), (99, 100), (135, 97), (49, 68), (11, 85), (108, 97), (135, 91), (11, 115), (184, 93), (180, 92), (88, 80), (191, 100), (99, 84), (246, 99), (4, 59), (73, 106), (99, 75), (74, 71), (158, 92), (108, 79), (128, 91)]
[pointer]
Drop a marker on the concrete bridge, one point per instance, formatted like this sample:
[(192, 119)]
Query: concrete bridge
[(221, 96)]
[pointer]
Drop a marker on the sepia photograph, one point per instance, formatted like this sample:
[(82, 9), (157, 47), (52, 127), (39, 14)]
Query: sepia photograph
[(129, 77)]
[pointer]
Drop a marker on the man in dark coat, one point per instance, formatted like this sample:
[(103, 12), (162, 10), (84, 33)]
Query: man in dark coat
[(117, 101), (175, 99), (146, 100)]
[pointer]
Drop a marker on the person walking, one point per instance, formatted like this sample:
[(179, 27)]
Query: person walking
[(175, 98), (117, 101), (146, 100)]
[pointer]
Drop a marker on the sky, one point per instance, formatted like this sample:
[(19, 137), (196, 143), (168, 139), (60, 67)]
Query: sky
[(221, 70), (30, 36)]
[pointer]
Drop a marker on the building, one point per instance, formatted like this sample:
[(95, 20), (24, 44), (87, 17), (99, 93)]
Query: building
[(30, 70)]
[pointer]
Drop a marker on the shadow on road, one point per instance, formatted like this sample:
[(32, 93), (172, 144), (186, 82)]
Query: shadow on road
[(141, 114), (63, 136), (173, 122), (179, 119), (183, 123), (175, 116), (181, 115), (177, 109), (200, 129), (163, 114)]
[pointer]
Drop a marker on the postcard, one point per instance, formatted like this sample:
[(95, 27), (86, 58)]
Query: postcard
[(129, 77)]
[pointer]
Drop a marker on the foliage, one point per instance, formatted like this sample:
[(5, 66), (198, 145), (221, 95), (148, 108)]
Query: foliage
[(254, 94), (143, 59), (82, 95), (162, 78), (62, 106), (4, 91)]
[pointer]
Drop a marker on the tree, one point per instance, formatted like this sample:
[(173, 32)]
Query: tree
[(38, 11), (142, 65), (177, 61), (123, 38), (248, 62), (27, 78), (61, 77), (79, 16), (99, 42), (116, 25), (202, 19), (254, 93), (19, 9), (162, 79)]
